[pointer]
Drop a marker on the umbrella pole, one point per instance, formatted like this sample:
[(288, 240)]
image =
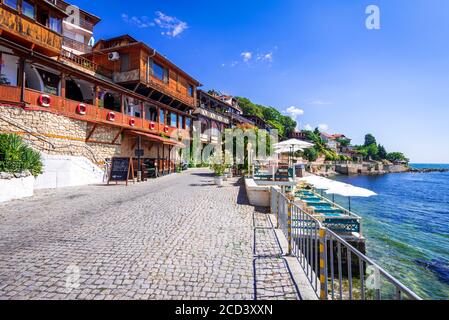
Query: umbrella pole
[(349, 199)]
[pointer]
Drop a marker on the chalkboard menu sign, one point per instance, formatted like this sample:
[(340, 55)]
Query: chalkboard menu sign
[(121, 170)]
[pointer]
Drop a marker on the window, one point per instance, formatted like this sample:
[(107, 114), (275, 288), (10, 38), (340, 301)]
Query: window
[(150, 113), (162, 116), (204, 126), (188, 123), (190, 90), (173, 120), (55, 24), (133, 107), (11, 3), (124, 62), (28, 9), (50, 81), (8, 69), (160, 72), (181, 122)]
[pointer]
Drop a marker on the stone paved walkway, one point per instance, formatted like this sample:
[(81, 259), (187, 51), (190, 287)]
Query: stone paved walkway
[(179, 237)]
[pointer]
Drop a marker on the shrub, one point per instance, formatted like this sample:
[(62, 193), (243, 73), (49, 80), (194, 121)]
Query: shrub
[(16, 156)]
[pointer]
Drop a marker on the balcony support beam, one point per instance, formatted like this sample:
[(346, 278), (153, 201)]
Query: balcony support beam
[(91, 132), (22, 80), (117, 136)]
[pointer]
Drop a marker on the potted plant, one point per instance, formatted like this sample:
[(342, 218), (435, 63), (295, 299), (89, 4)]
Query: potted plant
[(219, 174), (219, 168)]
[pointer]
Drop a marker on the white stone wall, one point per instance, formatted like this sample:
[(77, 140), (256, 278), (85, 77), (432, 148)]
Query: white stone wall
[(16, 188), (67, 171)]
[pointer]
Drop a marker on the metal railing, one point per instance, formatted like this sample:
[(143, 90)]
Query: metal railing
[(77, 45), (335, 269), (349, 222)]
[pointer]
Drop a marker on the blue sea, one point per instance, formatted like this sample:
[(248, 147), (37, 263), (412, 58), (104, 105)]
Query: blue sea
[(407, 226)]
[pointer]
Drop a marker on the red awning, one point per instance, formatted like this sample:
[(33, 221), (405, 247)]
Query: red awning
[(153, 137)]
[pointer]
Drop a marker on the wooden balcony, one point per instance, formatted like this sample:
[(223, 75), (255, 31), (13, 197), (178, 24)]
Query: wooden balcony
[(91, 113), (164, 88), (86, 64), (29, 33)]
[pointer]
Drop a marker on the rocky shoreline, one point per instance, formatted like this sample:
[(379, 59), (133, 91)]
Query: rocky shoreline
[(428, 170), (332, 173)]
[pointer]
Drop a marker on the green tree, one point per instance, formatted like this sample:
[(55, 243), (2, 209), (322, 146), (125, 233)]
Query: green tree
[(310, 154), (344, 142), (284, 124), (382, 152), (396, 157), (16, 156), (369, 140), (372, 151)]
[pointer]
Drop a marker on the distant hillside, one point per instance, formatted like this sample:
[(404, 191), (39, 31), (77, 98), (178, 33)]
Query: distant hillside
[(284, 124)]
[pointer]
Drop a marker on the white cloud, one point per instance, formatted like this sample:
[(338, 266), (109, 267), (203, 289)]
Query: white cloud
[(268, 57), (323, 127), (308, 127), (247, 56), (171, 26), (294, 113), (140, 22), (320, 103)]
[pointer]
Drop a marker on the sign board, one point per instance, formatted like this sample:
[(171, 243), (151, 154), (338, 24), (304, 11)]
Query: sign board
[(121, 170)]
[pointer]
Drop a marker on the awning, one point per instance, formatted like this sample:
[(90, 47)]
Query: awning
[(156, 138)]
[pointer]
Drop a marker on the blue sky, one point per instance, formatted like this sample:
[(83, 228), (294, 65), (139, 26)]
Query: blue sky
[(314, 55)]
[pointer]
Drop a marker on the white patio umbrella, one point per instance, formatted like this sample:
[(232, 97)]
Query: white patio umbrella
[(320, 183), (280, 150), (294, 142), (291, 144), (347, 190)]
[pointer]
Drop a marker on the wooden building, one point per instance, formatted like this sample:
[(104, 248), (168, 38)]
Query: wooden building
[(258, 122), (211, 117), (116, 97)]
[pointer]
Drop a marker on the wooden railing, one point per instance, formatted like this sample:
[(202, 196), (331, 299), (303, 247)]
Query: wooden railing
[(70, 108), (27, 29), (85, 63), (159, 85)]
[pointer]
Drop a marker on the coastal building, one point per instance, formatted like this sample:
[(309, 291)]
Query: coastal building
[(300, 135), (121, 99), (258, 122), (77, 29), (211, 116), (234, 111)]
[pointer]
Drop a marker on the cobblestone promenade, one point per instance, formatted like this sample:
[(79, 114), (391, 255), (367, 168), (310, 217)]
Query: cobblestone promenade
[(179, 237)]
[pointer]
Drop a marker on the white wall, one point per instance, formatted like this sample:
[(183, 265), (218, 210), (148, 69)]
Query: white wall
[(67, 171), (16, 188)]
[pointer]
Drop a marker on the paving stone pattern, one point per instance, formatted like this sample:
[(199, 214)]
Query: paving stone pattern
[(178, 237)]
